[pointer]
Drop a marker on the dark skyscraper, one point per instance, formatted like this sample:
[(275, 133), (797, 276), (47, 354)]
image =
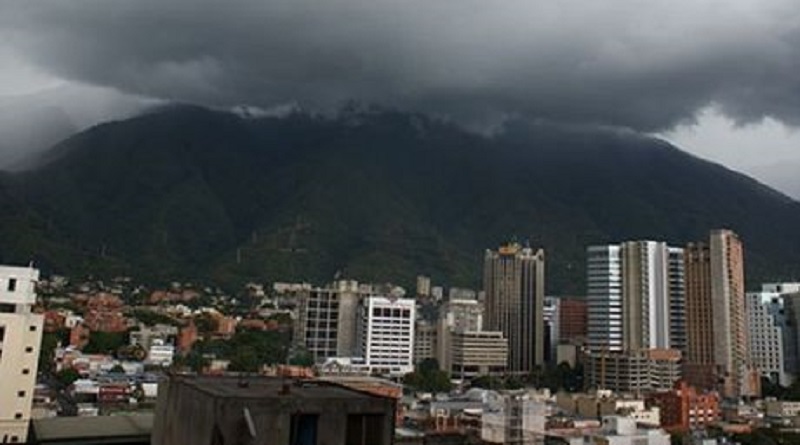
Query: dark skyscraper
[(513, 279)]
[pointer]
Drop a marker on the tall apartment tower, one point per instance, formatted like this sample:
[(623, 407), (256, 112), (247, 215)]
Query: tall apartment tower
[(788, 321), (513, 280), (20, 339), (717, 350), (635, 315), (635, 297)]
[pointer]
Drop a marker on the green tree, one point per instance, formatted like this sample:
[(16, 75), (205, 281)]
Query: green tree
[(428, 365), (50, 341), (428, 378), (245, 359), (67, 376), (487, 382), (195, 361), (151, 318), (301, 358), (105, 342), (206, 324)]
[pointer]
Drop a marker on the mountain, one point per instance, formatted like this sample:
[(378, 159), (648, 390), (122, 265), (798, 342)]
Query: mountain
[(185, 192)]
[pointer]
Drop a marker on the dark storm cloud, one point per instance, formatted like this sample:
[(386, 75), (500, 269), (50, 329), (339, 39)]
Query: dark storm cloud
[(646, 65)]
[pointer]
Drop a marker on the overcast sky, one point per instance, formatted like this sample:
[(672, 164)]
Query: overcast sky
[(719, 78)]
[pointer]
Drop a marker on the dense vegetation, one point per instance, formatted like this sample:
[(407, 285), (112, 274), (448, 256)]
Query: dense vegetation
[(247, 350), (186, 192)]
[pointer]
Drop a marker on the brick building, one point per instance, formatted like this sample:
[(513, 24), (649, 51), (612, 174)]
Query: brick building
[(684, 407)]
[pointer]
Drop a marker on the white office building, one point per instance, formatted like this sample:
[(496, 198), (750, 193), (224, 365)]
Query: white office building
[(386, 334), (161, 353), (767, 326), (20, 339)]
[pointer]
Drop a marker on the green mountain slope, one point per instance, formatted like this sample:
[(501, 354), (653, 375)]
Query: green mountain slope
[(190, 193)]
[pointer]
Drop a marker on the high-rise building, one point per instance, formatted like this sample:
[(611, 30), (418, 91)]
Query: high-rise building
[(635, 295), (717, 339), (773, 336), (386, 334), (326, 324), (790, 298), (550, 311), (635, 319), (20, 340), (766, 323), (513, 280)]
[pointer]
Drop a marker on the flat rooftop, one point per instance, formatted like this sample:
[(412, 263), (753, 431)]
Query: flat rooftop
[(128, 428), (260, 387)]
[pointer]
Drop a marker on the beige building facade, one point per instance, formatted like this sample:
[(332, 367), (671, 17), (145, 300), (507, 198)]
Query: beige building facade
[(475, 353), (20, 340)]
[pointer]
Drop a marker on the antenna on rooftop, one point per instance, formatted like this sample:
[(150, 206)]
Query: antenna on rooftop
[(251, 426)]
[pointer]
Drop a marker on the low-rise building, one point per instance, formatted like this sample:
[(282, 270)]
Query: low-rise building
[(474, 353), (220, 410), (635, 371), (514, 419), (684, 408), (614, 430), (160, 353), (605, 403), (781, 408), (424, 341)]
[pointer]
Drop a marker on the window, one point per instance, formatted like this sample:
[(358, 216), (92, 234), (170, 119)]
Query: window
[(26, 371), (2, 333), (7, 308), (29, 349), (12, 284), (14, 439), (20, 393), (17, 415), (32, 328), (303, 429), (364, 429)]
